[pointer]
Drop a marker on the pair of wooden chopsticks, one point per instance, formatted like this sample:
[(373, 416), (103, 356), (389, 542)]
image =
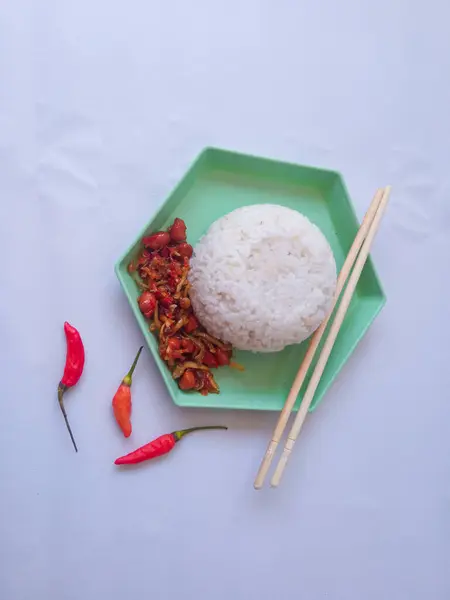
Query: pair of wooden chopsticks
[(363, 242)]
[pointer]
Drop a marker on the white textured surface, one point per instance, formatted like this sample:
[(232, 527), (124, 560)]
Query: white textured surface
[(102, 107), (263, 277)]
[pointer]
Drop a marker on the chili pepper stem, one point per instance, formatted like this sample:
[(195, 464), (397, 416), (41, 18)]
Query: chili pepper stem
[(182, 432), (128, 377), (61, 389)]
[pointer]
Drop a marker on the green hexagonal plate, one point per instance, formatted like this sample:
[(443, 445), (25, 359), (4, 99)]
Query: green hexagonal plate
[(220, 181)]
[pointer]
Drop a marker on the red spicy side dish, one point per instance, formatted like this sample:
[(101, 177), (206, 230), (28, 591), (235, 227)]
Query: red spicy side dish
[(161, 272)]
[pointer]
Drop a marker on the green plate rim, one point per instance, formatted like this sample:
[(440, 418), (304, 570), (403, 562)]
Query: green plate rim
[(149, 337)]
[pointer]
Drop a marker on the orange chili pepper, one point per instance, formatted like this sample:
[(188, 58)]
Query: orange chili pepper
[(121, 402)]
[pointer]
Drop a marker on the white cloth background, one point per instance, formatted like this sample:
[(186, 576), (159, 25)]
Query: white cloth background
[(103, 105)]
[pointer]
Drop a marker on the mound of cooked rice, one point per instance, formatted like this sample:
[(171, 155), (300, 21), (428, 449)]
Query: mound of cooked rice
[(263, 277)]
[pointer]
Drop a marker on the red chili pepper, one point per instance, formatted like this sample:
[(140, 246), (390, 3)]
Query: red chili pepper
[(210, 360), (185, 250), (162, 445), (166, 300), (187, 380), (156, 240), (191, 325), (121, 402), (178, 230), (72, 370), (188, 346), (223, 357), (147, 304)]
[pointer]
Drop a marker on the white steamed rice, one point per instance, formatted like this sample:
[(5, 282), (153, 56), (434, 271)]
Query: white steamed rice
[(263, 277)]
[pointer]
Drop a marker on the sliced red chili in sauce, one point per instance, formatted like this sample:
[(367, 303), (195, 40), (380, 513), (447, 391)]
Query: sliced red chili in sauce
[(161, 272)]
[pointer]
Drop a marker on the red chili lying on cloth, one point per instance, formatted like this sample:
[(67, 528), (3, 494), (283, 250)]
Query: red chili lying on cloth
[(72, 370), (161, 272), (161, 445)]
